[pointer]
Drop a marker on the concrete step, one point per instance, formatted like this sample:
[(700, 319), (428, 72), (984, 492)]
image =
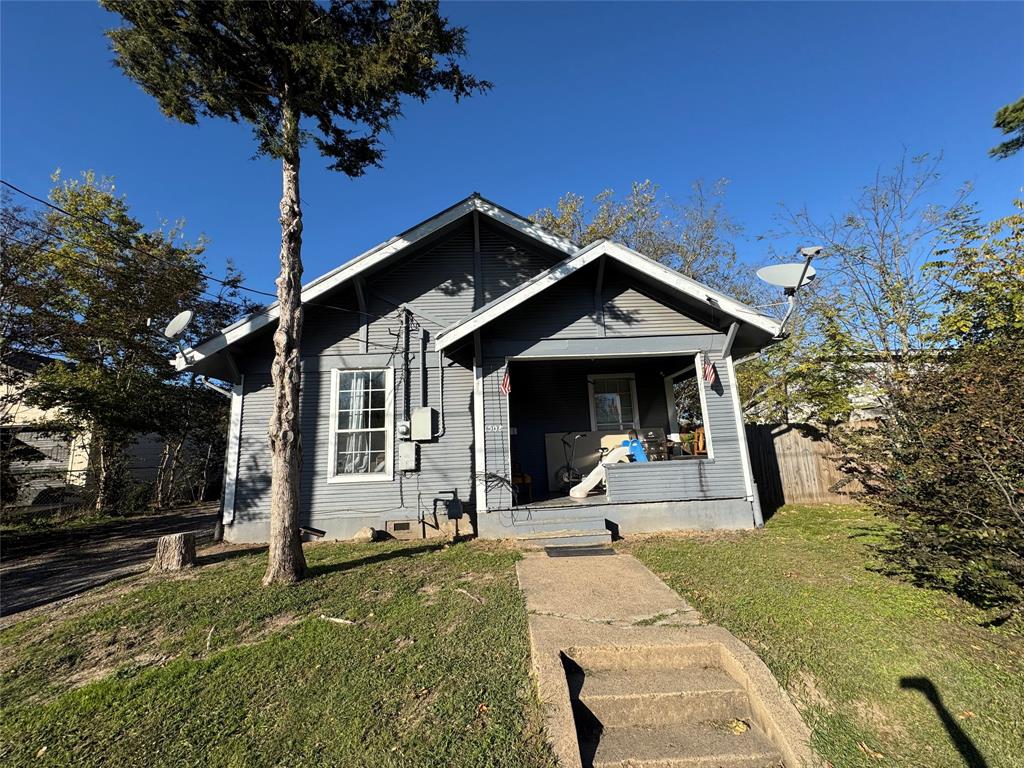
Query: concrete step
[(564, 538), (653, 657), (652, 697), (563, 523), (522, 515), (705, 745)]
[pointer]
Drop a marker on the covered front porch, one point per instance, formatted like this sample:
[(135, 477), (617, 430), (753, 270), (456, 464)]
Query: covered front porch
[(565, 416), (536, 411)]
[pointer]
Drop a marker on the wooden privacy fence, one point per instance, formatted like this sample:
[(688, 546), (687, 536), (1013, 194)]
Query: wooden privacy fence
[(796, 464)]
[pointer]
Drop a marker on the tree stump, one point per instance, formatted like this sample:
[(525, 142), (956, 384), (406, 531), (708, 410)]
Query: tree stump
[(175, 552)]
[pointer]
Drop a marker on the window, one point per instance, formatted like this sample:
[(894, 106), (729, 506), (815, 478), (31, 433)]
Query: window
[(613, 405), (361, 425)]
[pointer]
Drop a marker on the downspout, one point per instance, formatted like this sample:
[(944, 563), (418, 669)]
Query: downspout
[(404, 331), (423, 367), (440, 393)]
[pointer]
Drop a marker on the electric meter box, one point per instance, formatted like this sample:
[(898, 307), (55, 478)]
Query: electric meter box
[(408, 457), (422, 423)]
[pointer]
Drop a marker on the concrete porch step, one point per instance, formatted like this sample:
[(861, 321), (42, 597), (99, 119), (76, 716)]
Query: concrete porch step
[(704, 745), (564, 538), (563, 523), (653, 658), (522, 515), (654, 697)]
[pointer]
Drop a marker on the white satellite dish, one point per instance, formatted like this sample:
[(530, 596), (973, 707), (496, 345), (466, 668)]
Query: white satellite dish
[(787, 275), (178, 324)]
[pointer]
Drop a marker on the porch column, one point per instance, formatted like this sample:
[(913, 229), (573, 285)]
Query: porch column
[(748, 474), (479, 448)]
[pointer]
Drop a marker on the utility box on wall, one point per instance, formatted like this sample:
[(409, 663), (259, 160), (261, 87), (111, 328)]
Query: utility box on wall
[(422, 423), (408, 457)]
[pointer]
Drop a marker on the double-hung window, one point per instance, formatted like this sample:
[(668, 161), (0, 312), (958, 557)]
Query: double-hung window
[(613, 404), (361, 434)]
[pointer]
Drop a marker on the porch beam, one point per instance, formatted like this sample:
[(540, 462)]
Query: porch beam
[(729, 338), (615, 346), (236, 375)]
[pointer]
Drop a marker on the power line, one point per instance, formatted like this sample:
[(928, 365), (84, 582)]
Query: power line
[(390, 348), (117, 239)]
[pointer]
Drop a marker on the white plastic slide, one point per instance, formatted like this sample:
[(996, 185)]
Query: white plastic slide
[(596, 475)]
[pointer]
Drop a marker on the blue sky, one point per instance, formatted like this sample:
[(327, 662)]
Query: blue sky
[(797, 103)]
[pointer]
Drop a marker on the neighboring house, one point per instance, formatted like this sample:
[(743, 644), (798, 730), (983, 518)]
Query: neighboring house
[(44, 467), (457, 355)]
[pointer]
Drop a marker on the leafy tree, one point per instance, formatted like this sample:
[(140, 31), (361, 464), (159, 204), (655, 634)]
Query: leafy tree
[(884, 300), (807, 377), (1010, 120), (982, 275), (946, 462), (695, 237), (89, 279), (333, 73)]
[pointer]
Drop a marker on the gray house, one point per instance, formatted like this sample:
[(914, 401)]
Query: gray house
[(479, 356)]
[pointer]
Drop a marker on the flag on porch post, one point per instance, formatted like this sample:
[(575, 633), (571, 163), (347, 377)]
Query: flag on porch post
[(506, 385), (710, 374)]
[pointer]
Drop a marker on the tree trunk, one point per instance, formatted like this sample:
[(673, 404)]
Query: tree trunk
[(161, 474), (287, 563), (102, 479), (175, 552)]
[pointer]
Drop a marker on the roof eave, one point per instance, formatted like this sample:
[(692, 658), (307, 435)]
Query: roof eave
[(367, 260)]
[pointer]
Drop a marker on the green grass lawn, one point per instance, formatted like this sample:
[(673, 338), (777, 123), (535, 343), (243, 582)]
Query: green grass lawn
[(840, 637), (427, 665)]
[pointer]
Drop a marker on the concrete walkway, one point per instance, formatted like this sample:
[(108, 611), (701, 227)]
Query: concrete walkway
[(628, 675), (606, 588)]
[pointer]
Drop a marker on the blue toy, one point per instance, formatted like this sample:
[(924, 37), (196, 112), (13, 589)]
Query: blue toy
[(636, 450)]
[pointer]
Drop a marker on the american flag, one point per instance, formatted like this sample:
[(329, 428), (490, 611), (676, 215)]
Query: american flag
[(710, 374), (506, 384)]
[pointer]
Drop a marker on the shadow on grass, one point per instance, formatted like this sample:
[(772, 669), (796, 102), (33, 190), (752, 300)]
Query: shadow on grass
[(393, 554), (970, 754), (230, 554)]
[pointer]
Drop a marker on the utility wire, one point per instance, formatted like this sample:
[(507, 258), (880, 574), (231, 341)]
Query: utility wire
[(130, 246), (111, 269)]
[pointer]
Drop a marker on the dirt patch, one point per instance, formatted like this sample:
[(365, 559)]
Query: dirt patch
[(429, 592), (804, 688), (874, 716)]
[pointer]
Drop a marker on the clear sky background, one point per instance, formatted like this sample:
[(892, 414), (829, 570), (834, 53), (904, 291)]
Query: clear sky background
[(798, 103)]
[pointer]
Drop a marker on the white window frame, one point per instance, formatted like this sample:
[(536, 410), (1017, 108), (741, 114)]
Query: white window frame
[(591, 378), (389, 430)]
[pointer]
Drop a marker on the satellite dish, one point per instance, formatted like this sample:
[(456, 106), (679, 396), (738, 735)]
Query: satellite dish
[(178, 324), (786, 275)]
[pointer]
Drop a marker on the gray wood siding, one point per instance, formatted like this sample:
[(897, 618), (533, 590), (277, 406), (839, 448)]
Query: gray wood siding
[(567, 310), (674, 481), (503, 269), (628, 312), (252, 491), (718, 478), (445, 464)]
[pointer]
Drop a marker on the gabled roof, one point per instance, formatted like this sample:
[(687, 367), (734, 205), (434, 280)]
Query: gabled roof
[(668, 278), (372, 258)]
